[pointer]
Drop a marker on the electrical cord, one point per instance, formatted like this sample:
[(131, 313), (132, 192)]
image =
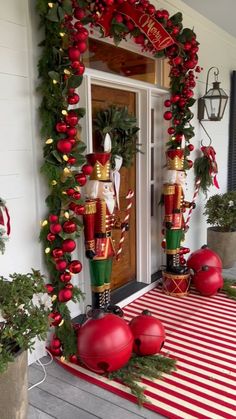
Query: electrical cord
[(38, 362)]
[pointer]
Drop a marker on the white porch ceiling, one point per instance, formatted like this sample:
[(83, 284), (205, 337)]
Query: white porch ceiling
[(222, 13)]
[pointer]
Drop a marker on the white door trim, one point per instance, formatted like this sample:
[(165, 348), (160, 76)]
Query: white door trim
[(144, 92)]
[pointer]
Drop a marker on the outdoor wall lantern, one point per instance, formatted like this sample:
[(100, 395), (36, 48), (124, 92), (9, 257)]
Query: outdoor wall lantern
[(212, 105)]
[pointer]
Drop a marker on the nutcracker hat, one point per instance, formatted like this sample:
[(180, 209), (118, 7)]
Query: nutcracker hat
[(175, 159), (101, 166)]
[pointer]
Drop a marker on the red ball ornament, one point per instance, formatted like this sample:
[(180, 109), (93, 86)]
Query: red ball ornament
[(61, 265), (171, 130), (55, 318), (204, 256), (61, 127), (77, 196), (74, 54), (191, 147), (56, 351), (65, 277), (53, 218), (57, 252), (64, 146), (208, 281), (49, 288), (79, 209), (71, 132), (167, 103), (190, 163), (64, 295), (175, 98), (82, 46), (71, 119), (55, 228), (79, 13), (75, 266), (105, 343), (82, 34), (70, 192), (71, 160), (69, 227), (51, 237), (68, 245), (55, 343), (80, 179), (87, 169), (80, 69), (149, 334), (73, 359), (168, 115), (73, 99)]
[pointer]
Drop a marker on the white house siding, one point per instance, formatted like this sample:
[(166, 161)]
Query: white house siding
[(20, 145)]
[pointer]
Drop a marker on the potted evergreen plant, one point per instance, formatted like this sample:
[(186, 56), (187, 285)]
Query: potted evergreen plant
[(24, 310), (220, 210)]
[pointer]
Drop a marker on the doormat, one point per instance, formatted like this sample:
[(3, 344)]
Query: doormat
[(201, 336)]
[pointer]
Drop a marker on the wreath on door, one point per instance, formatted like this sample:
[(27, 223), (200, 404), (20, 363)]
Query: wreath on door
[(67, 24)]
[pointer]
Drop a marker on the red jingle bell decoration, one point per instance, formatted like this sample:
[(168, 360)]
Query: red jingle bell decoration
[(68, 245), (72, 118), (75, 266), (69, 227), (55, 343), (148, 332), (73, 359), (55, 351), (53, 218), (87, 169), (105, 343), (208, 281), (71, 132), (74, 54), (51, 237), (65, 295), (61, 127), (168, 115), (202, 257)]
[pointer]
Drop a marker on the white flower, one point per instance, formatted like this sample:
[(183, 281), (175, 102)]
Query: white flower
[(231, 203), (42, 299)]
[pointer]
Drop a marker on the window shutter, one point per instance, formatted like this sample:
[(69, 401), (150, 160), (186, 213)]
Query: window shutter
[(232, 136)]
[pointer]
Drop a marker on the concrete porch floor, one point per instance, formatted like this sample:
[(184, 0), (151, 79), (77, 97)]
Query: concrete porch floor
[(64, 396)]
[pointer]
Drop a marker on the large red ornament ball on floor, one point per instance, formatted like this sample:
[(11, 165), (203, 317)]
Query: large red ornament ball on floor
[(202, 257), (148, 332), (105, 342), (208, 281)]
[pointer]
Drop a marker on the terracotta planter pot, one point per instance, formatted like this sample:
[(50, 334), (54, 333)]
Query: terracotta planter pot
[(14, 389), (224, 244)]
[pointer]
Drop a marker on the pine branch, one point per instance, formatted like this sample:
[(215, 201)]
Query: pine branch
[(229, 289)]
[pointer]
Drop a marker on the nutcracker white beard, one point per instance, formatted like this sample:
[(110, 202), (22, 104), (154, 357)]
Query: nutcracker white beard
[(110, 201)]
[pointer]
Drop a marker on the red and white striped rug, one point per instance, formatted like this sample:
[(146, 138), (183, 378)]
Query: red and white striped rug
[(201, 335)]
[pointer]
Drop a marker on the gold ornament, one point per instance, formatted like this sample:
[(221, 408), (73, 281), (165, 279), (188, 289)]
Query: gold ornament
[(61, 323), (62, 359), (44, 223), (62, 34), (55, 81), (67, 72), (53, 182), (47, 250), (50, 5), (66, 215), (49, 141), (64, 112), (54, 297), (65, 157)]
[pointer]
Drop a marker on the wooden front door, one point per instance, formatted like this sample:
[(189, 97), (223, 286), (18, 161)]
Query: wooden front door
[(123, 270)]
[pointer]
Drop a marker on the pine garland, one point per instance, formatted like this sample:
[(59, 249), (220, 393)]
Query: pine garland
[(60, 73), (229, 289), (152, 367)]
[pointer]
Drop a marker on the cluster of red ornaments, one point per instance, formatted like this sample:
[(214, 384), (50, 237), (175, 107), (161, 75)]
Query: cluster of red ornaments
[(106, 342)]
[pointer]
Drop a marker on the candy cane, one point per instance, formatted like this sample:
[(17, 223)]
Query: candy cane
[(129, 198), (197, 187)]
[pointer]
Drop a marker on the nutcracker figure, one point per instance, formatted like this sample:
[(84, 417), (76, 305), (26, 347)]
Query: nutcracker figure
[(99, 220), (174, 224)]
